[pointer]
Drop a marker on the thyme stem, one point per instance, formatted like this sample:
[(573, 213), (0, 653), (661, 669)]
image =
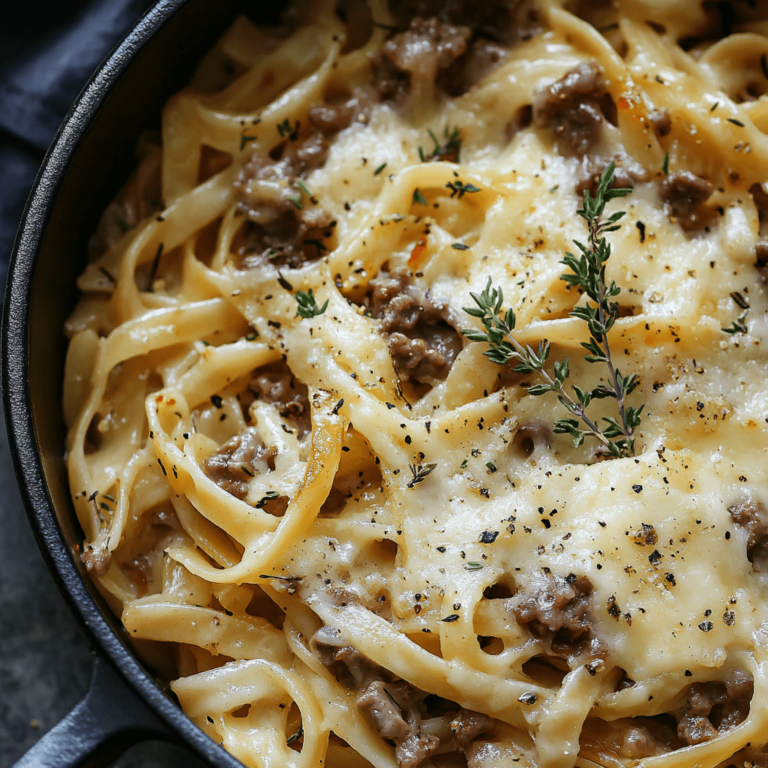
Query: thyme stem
[(595, 233), (587, 272), (576, 409), (554, 385)]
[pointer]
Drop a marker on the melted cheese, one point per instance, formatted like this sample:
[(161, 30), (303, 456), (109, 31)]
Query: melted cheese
[(159, 373)]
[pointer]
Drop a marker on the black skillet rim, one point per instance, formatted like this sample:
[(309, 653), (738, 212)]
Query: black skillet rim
[(17, 397)]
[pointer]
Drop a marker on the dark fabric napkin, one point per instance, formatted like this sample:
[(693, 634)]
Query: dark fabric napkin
[(48, 50)]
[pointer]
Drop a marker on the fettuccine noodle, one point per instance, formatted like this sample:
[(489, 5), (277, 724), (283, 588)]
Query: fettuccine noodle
[(344, 535)]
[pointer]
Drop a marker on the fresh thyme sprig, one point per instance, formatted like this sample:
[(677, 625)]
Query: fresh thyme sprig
[(308, 304), (504, 348), (588, 274)]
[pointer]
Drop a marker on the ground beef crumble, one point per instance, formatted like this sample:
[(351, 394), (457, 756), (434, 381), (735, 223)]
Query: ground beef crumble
[(276, 384), (480, 59), (625, 174), (706, 711), (427, 48), (288, 240), (396, 709), (454, 44), (641, 741), (557, 610), (761, 252), (422, 342), (335, 115), (572, 107), (760, 198), (661, 122), (501, 21), (96, 561), (714, 707), (683, 192), (751, 516), (279, 231), (232, 465)]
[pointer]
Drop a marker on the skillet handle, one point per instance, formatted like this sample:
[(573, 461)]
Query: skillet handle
[(109, 720)]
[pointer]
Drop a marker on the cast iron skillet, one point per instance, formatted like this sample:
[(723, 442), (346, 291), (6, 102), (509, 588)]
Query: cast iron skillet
[(88, 161)]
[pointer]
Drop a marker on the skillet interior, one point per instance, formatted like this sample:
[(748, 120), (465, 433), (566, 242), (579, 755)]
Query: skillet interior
[(87, 163)]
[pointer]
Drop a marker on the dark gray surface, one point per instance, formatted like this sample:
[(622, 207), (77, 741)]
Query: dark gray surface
[(48, 50), (45, 665)]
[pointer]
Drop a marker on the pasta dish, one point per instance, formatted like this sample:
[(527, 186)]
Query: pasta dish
[(416, 392)]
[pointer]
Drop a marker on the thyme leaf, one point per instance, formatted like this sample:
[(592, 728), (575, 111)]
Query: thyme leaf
[(420, 473), (245, 140), (301, 186), (459, 188), (286, 129), (739, 325), (319, 244), (307, 304)]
